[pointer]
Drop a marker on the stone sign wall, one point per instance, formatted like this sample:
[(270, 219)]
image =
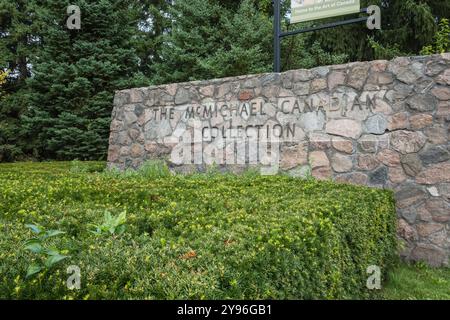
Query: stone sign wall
[(380, 123)]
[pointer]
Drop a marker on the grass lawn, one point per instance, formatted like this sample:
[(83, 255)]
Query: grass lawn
[(412, 282), (152, 235)]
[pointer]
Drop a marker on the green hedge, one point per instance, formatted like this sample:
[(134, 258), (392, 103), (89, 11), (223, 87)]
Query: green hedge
[(208, 236)]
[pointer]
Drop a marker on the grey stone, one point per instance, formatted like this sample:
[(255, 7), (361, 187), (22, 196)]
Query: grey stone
[(318, 159), (444, 190), (378, 176), (439, 209), (293, 156), (409, 195), (223, 90), (402, 91), (182, 96), (341, 163), (434, 154), (343, 145), (385, 78), (409, 215), (367, 162), (441, 92), (411, 164), (139, 110), (344, 127), (406, 231), (312, 121), (436, 173), (302, 75), (283, 118), (136, 150), (154, 130), (444, 78), (121, 98), (376, 124), (320, 71), (318, 85), (270, 79), (405, 141), (422, 103), (319, 141), (372, 143), (357, 178), (420, 121), (406, 71), (358, 75), (382, 106), (437, 134), (336, 78), (286, 79), (301, 88), (251, 83), (433, 68), (130, 117), (408, 75)]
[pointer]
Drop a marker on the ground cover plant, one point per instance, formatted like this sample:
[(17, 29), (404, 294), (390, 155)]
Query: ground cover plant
[(154, 235)]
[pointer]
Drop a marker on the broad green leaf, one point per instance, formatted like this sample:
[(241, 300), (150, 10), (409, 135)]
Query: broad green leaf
[(122, 218), (96, 232), (34, 228), (34, 245), (108, 217), (53, 233), (33, 269), (52, 260), (121, 229), (52, 252)]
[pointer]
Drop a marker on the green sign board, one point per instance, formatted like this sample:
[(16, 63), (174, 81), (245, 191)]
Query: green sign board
[(307, 10)]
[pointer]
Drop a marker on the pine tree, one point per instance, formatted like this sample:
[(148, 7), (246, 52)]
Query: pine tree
[(75, 75)]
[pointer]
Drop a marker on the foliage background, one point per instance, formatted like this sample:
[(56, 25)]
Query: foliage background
[(57, 98)]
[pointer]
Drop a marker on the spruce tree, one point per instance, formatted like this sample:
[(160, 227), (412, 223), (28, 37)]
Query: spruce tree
[(211, 38), (75, 75), (19, 29), (152, 23)]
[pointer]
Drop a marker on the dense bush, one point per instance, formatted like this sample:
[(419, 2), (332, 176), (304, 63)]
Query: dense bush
[(199, 236)]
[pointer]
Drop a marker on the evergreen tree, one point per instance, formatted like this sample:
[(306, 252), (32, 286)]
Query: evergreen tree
[(211, 38), (152, 23), (19, 29), (407, 26), (75, 75)]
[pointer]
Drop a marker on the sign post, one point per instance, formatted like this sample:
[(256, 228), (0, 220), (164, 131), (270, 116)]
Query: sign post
[(308, 10), (277, 35)]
